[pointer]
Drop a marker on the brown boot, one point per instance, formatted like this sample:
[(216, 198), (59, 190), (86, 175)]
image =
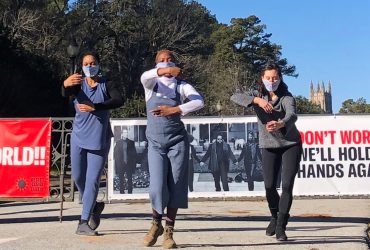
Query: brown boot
[(155, 231), (168, 241)]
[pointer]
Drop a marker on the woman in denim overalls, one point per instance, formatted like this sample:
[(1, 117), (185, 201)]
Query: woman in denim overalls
[(168, 150)]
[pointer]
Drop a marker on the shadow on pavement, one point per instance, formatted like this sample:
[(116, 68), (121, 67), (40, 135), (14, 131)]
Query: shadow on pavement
[(187, 217), (19, 204), (240, 229), (312, 241), (70, 218), (207, 217), (32, 211)]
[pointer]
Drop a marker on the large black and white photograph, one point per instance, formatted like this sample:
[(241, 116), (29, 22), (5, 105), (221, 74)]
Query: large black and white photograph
[(223, 157), (130, 159)]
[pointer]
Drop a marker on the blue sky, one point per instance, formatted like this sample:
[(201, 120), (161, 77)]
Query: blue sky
[(324, 39)]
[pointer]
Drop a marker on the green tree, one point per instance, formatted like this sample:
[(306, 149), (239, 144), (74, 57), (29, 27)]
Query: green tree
[(350, 106), (129, 33), (240, 50), (216, 58), (27, 88), (31, 75), (134, 107), (304, 106)]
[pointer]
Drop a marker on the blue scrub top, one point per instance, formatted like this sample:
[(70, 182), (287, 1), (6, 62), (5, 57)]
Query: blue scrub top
[(92, 130)]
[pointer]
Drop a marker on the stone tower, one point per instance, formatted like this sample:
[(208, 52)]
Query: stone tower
[(322, 97)]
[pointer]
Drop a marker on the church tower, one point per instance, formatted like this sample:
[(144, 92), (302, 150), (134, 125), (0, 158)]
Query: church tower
[(322, 97)]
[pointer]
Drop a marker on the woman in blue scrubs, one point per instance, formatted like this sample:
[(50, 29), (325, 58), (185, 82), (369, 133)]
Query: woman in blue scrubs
[(91, 135)]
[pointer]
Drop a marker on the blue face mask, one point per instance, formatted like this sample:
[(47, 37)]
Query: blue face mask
[(90, 71), (271, 86), (165, 65)]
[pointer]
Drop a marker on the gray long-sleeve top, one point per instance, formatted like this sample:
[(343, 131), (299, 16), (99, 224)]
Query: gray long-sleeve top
[(284, 108)]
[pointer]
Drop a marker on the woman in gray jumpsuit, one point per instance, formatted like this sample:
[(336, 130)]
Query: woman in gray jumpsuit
[(168, 150)]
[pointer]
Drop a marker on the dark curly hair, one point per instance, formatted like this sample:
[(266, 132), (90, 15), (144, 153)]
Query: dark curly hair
[(90, 53)]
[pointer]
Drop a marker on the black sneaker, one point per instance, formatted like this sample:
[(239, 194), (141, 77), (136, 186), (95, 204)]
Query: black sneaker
[(270, 230), (94, 220), (84, 229)]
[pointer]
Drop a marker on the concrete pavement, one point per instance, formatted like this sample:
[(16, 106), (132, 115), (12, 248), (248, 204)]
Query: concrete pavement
[(233, 224)]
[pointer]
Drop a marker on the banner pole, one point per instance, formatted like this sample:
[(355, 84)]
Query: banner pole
[(62, 194)]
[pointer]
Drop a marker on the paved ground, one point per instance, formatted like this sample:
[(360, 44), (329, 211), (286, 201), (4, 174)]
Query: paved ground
[(315, 224)]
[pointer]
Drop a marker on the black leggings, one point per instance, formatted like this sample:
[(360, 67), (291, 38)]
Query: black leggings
[(287, 159)]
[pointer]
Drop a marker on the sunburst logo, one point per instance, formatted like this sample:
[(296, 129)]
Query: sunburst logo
[(21, 183)]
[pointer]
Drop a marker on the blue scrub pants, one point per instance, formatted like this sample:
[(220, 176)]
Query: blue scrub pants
[(87, 166)]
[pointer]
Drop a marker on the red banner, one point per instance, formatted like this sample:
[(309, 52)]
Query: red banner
[(25, 158)]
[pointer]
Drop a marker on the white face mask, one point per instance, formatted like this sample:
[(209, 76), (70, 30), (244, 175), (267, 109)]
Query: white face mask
[(90, 71), (165, 65), (271, 86)]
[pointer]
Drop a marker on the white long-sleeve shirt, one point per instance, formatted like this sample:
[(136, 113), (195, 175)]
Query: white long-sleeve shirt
[(166, 89)]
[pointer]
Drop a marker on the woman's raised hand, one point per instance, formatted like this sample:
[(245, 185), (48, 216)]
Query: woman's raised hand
[(262, 103), (73, 80)]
